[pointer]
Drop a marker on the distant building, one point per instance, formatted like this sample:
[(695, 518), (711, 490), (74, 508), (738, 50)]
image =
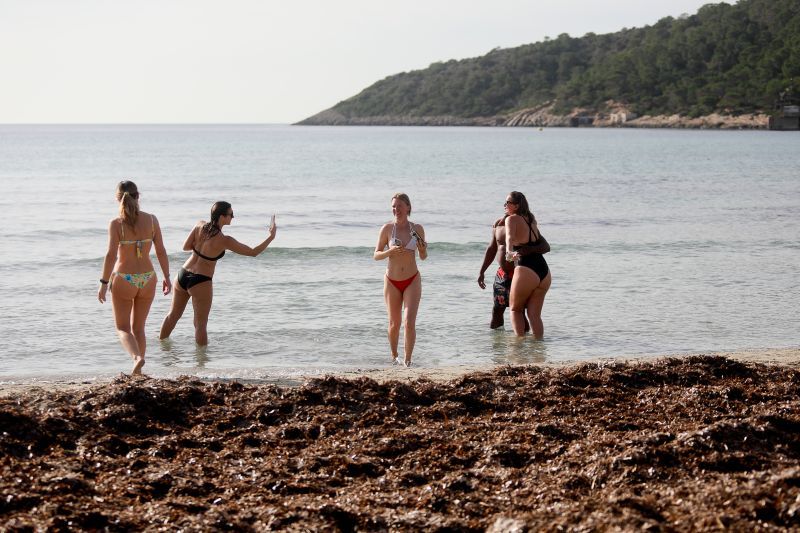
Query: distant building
[(786, 112), (621, 117)]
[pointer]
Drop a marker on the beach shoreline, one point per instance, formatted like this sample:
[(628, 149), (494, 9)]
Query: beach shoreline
[(789, 356)]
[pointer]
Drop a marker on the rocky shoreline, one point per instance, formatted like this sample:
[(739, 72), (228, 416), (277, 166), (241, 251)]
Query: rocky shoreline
[(614, 116)]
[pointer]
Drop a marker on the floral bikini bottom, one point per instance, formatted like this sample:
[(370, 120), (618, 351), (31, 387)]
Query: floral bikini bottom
[(137, 280)]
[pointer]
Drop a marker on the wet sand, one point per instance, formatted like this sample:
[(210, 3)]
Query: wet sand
[(681, 443)]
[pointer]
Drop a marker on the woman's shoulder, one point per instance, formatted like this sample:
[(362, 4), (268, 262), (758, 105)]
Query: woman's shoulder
[(387, 226)]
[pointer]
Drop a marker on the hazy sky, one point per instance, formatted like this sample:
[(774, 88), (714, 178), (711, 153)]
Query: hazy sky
[(257, 61)]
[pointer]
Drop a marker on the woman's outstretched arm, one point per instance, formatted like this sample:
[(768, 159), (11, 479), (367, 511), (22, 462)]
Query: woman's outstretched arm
[(242, 249)]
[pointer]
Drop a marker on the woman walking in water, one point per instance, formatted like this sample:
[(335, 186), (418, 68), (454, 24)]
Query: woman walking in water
[(207, 244), (128, 271), (399, 242), (531, 274)]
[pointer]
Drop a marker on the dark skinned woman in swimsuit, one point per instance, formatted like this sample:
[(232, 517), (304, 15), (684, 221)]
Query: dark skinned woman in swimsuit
[(532, 276), (128, 271), (207, 244), (399, 242)]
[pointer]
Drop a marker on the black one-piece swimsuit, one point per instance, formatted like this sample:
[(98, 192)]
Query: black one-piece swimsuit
[(535, 262)]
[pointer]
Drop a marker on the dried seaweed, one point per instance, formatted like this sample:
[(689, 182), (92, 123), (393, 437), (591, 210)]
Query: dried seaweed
[(699, 443)]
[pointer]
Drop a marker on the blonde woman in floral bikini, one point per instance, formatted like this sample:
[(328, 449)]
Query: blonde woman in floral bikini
[(128, 271)]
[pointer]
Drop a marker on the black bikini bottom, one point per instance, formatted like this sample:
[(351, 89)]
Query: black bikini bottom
[(187, 279)]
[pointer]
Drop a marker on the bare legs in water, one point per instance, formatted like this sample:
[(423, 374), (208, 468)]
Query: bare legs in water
[(527, 296), (202, 296), (405, 305), (131, 306)]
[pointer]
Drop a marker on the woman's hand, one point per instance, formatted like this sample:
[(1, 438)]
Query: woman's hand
[(101, 292), (273, 228), (396, 250), (420, 241), (166, 285)]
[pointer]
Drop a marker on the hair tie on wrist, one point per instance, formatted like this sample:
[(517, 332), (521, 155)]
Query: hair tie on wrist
[(104, 281)]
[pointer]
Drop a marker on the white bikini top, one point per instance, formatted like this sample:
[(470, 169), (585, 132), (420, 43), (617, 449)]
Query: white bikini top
[(412, 243)]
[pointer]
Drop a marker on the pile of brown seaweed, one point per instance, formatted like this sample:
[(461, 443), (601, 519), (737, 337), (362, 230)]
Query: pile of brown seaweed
[(700, 443)]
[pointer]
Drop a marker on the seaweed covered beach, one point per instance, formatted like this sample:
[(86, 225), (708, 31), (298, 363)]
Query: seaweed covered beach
[(691, 443)]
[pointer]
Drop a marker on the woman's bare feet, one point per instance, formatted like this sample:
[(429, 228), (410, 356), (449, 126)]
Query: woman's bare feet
[(407, 362), (138, 363)]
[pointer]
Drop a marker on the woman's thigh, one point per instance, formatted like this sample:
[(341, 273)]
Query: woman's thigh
[(536, 300), (393, 299), (202, 296), (411, 299), (179, 299), (124, 297), (524, 282), (142, 302)]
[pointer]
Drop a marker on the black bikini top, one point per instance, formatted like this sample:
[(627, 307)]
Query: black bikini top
[(206, 257)]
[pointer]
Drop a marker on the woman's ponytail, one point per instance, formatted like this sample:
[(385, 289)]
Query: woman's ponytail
[(128, 198), (211, 227)]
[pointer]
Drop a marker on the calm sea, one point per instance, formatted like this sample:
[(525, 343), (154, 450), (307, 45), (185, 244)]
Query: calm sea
[(662, 242)]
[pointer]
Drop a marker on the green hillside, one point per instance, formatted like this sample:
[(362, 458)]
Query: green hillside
[(725, 58)]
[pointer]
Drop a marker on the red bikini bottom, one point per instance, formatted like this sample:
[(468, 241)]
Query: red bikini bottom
[(403, 284)]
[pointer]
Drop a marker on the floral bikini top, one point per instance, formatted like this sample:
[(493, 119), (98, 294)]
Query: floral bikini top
[(139, 243)]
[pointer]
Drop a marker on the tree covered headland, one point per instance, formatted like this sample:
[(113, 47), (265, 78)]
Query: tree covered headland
[(725, 58)]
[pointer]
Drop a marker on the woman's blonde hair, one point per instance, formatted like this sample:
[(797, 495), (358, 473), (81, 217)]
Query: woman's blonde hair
[(403, 197), (128, 198)]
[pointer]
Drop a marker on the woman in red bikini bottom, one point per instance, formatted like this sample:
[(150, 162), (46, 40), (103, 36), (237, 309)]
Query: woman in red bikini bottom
[(399, 242)]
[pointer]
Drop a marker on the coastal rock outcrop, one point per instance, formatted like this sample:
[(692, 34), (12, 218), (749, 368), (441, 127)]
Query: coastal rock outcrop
[(613, 115)]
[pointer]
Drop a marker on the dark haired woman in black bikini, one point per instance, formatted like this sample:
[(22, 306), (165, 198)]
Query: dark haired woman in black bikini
[(532, 277), (208, 244)]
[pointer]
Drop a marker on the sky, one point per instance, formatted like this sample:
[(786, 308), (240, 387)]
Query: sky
[(257, 61)]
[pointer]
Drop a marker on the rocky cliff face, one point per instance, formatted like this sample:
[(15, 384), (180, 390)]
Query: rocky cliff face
[(331, 117), (613, 115)]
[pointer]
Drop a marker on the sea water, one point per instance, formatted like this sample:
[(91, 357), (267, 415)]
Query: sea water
[(663, 241)]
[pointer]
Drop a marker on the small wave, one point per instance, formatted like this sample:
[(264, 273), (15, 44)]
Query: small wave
[(50, 234)]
